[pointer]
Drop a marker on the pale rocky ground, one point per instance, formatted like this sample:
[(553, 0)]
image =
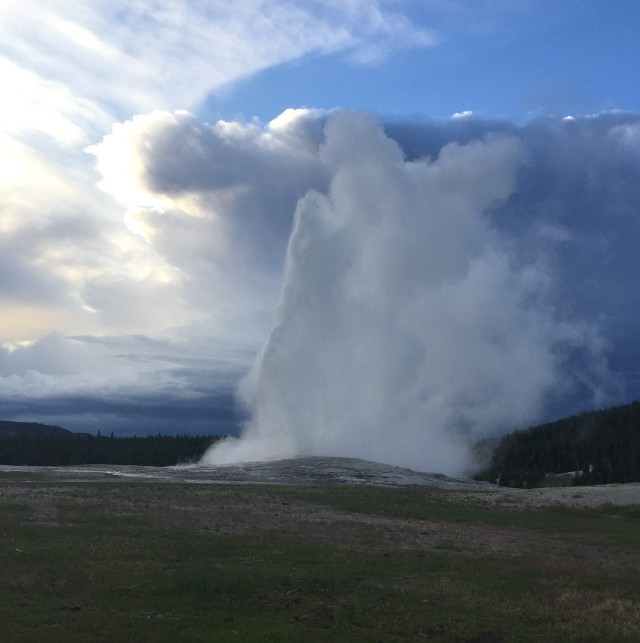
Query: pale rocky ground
[(336, 471)]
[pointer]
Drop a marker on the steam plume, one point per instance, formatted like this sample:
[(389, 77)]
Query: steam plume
[(408, 324)]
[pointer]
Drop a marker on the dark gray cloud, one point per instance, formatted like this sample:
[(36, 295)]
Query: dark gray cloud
[(126, 384), (216, 413)]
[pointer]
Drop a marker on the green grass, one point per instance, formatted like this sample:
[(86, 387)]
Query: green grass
[(138, 576)]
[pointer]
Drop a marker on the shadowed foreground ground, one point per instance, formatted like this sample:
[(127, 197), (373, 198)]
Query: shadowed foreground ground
[(104, 559)]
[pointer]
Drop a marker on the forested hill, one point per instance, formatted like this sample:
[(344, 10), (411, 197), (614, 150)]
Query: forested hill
[(27, 443), (10, 429), (601, 446)]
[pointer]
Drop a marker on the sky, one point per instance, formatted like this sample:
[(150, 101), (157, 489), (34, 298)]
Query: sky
[(170, 172)]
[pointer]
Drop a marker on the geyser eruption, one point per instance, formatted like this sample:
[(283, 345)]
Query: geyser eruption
[(409, 324)]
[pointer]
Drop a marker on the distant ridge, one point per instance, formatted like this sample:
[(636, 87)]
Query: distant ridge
[(9, 429)]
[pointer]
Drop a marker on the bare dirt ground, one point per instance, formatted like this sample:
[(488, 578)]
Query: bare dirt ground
[(623, 495)]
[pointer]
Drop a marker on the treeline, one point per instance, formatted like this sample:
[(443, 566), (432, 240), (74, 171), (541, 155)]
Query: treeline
[(83, 448), (601, 447)]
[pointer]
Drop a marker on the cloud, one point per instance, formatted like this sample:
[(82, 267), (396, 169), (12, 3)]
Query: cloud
[(76, 68), (379, 31), (229, 174), (120, 58), (215, 204)]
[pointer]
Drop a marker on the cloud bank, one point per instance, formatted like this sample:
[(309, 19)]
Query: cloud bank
[(132, 385)]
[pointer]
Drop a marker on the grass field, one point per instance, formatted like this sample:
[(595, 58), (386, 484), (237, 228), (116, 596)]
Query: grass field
[(173, 562)]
